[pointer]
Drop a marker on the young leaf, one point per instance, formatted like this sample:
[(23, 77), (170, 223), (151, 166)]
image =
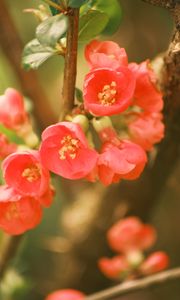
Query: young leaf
[(91, 24), (54, 10), (35, 54), (76, 3), (113, 9), (51, 30)]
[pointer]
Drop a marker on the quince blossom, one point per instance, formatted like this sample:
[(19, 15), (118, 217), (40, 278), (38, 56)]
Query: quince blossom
[(25, 173), (146, 129), (155, 262), (107, 91), (65, 151), (125, 160), (114, 267), (18, 213), (106, 54), (67, 294), (6, 147), (131, 235), (12, 111), (146, 94)]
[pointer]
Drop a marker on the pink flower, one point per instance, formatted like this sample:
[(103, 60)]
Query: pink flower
[(106, 54), (25, 173), (12, 112), (68, 294), (146, 95), (130, 235), (107, 91), (6, 147), (65, 151), (123, 161), (146, 129), (155, 262), (18, 213), (115, 268)]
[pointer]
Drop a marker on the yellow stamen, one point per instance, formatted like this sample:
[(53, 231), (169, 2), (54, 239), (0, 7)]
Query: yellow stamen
[(107, 96), (69, 147)]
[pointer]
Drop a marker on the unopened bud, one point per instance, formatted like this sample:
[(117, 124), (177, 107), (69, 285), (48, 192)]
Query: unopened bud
[(82, 121)]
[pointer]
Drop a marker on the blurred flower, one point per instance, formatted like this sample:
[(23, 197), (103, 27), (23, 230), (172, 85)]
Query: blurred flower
[(115, 268), (146, 129), (146, 95), (130, 234), (18, 213), (68, 294), (6, 147), (155, 262)]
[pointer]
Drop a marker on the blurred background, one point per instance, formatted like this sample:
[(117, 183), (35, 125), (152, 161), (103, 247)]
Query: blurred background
[(62, 252)]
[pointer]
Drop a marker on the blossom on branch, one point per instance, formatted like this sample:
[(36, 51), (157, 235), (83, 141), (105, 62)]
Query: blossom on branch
[(65, 151), (105, 54)]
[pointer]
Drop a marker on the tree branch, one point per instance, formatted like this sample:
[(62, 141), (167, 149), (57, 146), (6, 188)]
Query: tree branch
[(162, 3), (136, 285), (70, 62), (12, 47)]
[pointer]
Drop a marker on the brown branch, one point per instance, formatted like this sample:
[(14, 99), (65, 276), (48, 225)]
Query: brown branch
[(136, 285), (162, 3), (12, 47), (70, 62), (8, 250)]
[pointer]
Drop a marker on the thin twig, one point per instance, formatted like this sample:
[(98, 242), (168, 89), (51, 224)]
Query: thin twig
[(70, 62), (136, 285), (53, 4), (8, 250)]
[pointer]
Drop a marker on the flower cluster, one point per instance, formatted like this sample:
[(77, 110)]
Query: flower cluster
[(26, 187), (129, 238), (120, 115)]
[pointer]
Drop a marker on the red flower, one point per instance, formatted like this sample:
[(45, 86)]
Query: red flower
[(156, 262), (24, 172), (6, 147), (146, 95), (18, 213), (146, 129), (115, 268), (12, 112), (123, 161), (68, 294), (107, 91), (65, 151), (106, 54), (129, 235)]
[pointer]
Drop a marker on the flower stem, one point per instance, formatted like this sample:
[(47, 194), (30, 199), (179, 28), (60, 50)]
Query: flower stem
[(53, 4), (70, 62)]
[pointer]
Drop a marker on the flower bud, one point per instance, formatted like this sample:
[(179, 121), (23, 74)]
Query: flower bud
[(82, 121), (156, 262)]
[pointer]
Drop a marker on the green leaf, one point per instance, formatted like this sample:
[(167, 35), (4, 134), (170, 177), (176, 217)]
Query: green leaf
[(76, 3), (91, 24), (54, 10), (35, 54), (79, 95), (113, 9), (51, 30)]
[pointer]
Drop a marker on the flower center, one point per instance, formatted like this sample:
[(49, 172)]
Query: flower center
[(69, 147), (107, 96), (12, 212), (32, 173)]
